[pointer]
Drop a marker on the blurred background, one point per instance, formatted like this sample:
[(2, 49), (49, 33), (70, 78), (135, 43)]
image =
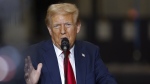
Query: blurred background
[(121, 28)]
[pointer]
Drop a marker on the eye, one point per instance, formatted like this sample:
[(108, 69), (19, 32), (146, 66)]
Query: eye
[(68, 24), (56, 26)]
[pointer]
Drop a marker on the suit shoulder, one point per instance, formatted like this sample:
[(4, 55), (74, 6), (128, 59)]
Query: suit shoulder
[(36, 48), (39, 44)]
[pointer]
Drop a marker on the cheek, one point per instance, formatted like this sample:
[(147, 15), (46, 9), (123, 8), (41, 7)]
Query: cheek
[(55, 34), (73, 33)]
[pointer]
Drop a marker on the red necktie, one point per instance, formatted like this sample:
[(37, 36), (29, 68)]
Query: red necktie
[(69, 75)]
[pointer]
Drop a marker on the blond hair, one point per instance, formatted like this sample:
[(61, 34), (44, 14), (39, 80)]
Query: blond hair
[(62, 8)]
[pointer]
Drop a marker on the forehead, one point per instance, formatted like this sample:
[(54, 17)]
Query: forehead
[(59, 18)]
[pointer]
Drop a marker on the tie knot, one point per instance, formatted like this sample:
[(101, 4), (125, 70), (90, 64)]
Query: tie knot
[(66, 53)]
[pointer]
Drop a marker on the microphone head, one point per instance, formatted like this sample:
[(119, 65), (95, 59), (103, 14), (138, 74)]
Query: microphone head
[(65, 44)]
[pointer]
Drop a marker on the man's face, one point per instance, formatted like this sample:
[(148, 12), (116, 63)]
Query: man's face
[(63, 26)]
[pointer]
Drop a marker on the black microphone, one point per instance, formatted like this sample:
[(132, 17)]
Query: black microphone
[(65, 44)]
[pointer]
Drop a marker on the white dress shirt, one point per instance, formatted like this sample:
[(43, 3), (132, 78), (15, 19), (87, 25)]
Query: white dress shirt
[(60, 58)]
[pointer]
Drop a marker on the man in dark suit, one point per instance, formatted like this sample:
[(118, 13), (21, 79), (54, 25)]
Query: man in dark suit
[(46, 65)]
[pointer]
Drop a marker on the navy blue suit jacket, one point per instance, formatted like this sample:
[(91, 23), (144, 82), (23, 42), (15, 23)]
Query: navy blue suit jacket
[(89, 69)]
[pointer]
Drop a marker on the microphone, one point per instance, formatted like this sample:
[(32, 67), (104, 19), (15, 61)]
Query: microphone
[(65, 44)]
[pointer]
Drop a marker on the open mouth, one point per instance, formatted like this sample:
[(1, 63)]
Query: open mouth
[(63, 37)]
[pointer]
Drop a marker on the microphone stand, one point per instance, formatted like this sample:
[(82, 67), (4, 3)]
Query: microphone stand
[(65, 67)]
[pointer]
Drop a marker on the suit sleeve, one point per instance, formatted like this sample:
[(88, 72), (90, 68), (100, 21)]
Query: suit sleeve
[(101, 72)]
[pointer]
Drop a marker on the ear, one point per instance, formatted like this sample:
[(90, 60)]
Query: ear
[(78, 26), (49, 29)]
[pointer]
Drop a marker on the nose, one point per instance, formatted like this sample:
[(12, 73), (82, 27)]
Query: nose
[(63, 29)]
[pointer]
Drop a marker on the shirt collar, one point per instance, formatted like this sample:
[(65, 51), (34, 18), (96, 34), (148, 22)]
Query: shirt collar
[(72, 50), (59, 52)]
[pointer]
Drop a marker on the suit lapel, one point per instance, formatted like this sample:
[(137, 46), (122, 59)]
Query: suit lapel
[(80, 63), (51, 63)]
